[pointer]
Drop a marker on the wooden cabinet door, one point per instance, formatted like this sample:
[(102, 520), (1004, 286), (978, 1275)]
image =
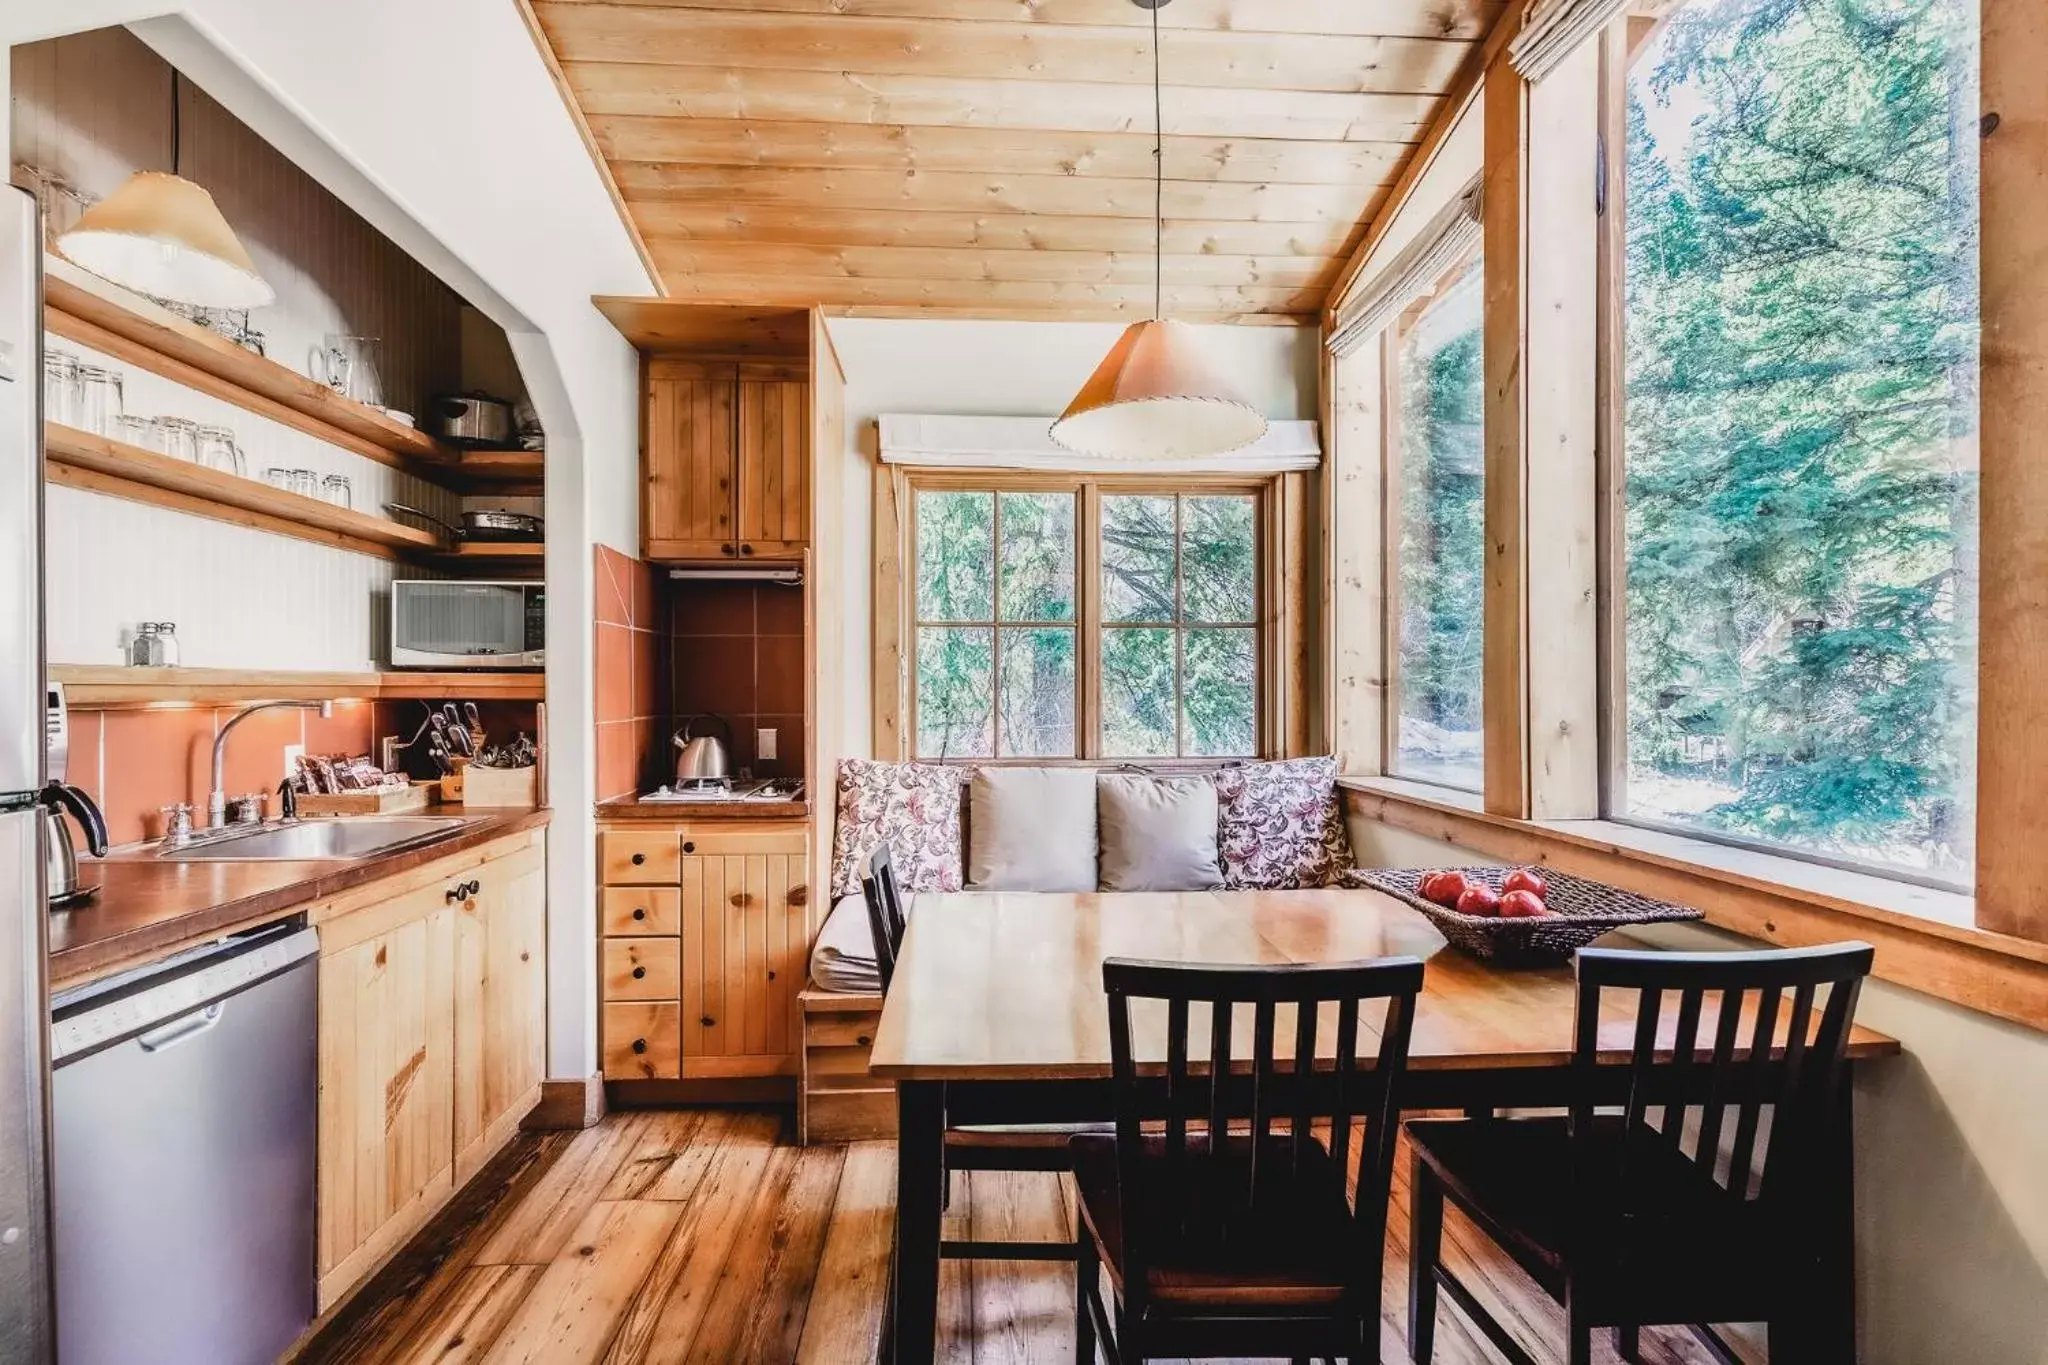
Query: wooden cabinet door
[(745, 942), (774, 461), (691, 495), (500, 1004), (386, 1058)]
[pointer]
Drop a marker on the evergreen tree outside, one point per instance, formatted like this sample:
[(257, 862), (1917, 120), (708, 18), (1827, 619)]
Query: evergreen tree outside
[(1441, 560), (1802, 340)]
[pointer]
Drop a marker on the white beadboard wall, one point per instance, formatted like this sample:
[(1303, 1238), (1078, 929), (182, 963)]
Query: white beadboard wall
[(92, 108)]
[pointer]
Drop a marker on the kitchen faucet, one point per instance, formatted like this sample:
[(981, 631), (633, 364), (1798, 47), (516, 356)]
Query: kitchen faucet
[(217, 798)]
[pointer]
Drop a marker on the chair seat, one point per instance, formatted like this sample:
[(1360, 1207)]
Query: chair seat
[(1292, 1251), (1515, 1178)]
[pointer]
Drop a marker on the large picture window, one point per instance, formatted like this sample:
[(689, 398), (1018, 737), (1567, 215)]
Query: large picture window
[(1801, 356), (1437, 482), (1086, 620)]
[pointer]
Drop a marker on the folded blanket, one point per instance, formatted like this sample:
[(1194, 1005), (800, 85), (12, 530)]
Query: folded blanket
[(843, 958)]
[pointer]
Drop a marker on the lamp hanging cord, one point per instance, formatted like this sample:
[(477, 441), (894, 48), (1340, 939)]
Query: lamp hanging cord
[(1158, 181), (177, 126)]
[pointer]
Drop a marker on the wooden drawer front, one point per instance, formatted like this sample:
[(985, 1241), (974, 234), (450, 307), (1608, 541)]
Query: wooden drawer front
[(643, 969), (642, 1042), (636, 911), (852, 1029), (639, 857), (737, 839)]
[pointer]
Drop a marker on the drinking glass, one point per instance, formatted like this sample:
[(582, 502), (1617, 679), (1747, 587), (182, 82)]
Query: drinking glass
[(135, 431), (217, 450), (277, 476), (178, 437), (99, 399), (60, 388), (336, 488), (305, 483)]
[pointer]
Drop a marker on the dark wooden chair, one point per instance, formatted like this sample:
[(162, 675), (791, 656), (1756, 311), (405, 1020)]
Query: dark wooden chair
[(996, 1148), (1629, 1222), (1229, 1238)]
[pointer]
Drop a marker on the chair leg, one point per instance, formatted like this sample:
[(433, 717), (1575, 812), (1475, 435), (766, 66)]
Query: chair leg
[(1628, 1344), (1578, 1336), (1425, 1243), (1087, 1276)]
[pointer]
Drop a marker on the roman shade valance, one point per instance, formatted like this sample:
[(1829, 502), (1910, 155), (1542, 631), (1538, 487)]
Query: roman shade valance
[(1450, 234), (1552, 28), (941, 442)]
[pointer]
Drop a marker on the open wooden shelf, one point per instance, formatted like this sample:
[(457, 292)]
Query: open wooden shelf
[(112, 686), (500, 471), (495, 551), (84, 308), (79, 459)]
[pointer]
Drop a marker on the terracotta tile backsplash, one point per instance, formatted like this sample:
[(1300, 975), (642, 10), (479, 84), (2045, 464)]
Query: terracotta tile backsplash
[(627, 671), (736, 650)]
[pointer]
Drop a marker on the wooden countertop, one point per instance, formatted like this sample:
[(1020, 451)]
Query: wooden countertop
[(149, 907), (691, 812)]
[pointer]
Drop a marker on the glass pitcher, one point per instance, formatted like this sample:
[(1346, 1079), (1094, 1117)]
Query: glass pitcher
[(349, 366)]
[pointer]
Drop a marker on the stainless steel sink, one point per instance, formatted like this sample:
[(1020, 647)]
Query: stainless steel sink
[(320, 840)]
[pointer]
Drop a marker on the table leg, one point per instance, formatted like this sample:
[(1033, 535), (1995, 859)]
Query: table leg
[(920, 1149), (1827, 1334)]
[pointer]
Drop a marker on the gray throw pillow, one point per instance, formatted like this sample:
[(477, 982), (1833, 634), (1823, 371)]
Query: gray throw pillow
[(1158, 833), (1033, 829)]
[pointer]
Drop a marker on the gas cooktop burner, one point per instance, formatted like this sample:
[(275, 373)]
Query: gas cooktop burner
[(720, 789)]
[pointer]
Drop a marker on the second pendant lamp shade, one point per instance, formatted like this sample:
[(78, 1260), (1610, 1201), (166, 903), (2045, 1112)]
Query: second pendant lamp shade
[(161, 235), (1154, 397)]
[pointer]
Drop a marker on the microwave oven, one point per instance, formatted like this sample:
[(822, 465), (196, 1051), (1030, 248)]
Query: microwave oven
[(461, 623)]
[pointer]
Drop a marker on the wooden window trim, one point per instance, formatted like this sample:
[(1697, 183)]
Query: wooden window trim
[(1925, 939), (1279, 690)]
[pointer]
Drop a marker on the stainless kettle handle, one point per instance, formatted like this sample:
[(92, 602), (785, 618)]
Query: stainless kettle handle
[(59, 796), (690, 728)]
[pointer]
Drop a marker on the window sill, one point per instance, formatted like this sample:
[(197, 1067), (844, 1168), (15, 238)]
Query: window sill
[(1926, 938)]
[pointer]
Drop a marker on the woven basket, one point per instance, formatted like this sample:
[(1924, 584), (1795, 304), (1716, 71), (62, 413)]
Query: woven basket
[(1580, 911)]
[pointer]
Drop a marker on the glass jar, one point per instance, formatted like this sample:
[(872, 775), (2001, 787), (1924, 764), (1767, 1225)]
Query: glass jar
[(178, 437), (99, 399), (336, 488), (60, 388), (217, 450)]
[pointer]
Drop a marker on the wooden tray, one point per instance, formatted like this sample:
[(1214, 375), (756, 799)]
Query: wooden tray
[(387, 801)]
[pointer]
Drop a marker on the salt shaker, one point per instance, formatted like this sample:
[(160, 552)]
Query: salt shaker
[(167, 644)]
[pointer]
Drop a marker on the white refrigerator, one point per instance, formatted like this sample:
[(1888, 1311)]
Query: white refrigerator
[(26, 1316)]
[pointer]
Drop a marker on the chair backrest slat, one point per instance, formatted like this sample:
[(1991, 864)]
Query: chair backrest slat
[(1233, 1171), (1781, 1097), (885, 912)]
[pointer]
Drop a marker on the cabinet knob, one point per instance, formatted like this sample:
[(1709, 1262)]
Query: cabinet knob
[(771, 973), (639, 860), (689, 847), (863, 1040), (639, 973), (639, 912), (639, 1045), (746, 549), (708, 1022), (725, 549)]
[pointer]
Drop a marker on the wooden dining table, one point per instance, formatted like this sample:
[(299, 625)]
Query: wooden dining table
[(996, 1015)]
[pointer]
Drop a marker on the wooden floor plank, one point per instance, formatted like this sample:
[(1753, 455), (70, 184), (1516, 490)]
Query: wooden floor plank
[(468, 1320), (738, 1246), (845, 1317), (577, 1303)]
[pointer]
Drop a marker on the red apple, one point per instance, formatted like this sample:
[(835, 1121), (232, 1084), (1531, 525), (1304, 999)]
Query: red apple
[(1525, 879), (1479, 900), (1522, 903), (1443, 887)]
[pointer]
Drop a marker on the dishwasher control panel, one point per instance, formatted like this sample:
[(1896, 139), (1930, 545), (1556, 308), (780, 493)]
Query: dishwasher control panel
[(167, 993)]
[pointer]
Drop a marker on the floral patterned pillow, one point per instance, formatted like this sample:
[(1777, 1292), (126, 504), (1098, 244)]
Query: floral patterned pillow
[(913, 806), (1281, 825)]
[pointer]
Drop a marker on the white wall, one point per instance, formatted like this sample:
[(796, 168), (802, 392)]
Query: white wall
[(439, 124), (1003, 369), (1951, 1164)]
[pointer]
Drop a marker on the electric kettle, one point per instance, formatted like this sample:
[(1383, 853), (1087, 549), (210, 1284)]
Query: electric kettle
[(701, 760), (60, 855)]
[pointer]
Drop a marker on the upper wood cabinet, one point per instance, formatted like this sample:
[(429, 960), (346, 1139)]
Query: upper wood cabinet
[(726, 448)]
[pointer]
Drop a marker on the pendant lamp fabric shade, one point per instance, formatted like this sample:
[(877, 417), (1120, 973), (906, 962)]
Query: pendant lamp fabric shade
[(162, 235), (1154, 397)]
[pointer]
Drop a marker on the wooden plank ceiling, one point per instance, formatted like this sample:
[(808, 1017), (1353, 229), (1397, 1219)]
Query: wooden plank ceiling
[(994, 157)]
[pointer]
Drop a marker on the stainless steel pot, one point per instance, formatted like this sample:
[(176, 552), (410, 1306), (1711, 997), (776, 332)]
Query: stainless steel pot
[(701, 760), (480, 526), (475, 419)]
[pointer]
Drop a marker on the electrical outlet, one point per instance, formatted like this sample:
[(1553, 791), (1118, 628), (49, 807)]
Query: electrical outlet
[(292, 754), (764, 745)]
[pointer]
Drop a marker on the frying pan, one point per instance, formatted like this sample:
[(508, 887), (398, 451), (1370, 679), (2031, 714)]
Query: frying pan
[(478, 526)]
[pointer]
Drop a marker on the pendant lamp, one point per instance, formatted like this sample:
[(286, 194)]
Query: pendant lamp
[(1154, 396), (162, 235)]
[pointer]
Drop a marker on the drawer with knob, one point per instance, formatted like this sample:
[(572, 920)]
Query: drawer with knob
[(643, 969), (636, 911), (639, 857), (642, 1041)]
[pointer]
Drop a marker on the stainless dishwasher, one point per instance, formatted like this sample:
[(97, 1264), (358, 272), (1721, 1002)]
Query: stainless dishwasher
[(185, 1100)]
